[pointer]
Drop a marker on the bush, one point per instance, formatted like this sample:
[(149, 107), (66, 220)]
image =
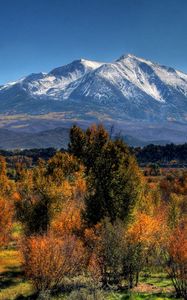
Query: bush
[(47, 260)]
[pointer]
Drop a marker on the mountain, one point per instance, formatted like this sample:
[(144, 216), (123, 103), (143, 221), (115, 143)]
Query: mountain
[(127, 88), (145, 100), (38, 93)]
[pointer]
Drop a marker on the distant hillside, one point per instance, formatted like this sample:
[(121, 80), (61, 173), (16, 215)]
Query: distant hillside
[(55, 138)]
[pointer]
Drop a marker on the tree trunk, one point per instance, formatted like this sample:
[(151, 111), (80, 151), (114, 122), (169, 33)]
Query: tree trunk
[(137, 278)]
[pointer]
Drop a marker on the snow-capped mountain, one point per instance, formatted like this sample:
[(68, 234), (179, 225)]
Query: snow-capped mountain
[(126, 89)]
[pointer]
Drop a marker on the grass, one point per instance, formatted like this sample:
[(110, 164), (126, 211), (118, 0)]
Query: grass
[(13, 286), (159, 280), (135, 296), (12, 283), (16, 231)]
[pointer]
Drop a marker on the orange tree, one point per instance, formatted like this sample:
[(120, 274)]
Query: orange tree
[(6, 217), (49, 204), (176, 259), (141, 239), (48, 259)]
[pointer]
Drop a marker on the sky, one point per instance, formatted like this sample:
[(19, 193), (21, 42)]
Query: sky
[(39, 35)]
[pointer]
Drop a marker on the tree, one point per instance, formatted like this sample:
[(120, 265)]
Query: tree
[(113, 177), (104, 244), (6, 185), (6, 207), (33, 208), (87, 145), (43, 191), (177, 260), (141, 239), (107, 252), (77, 141), (68, 221), (62, 166), (6, 216), (174, 211)]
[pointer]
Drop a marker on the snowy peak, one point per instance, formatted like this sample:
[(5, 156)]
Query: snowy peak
[(80, 66), (142, 74), (49, 85), (55, 82), (130, 86), (131, 57), (153, 79), (91, 64)]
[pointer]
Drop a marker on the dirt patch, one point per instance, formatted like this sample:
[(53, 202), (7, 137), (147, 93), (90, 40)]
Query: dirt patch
[(150, 288)]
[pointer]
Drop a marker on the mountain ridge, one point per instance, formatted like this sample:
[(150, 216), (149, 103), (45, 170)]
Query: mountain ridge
[(144, 99), (138, 88)]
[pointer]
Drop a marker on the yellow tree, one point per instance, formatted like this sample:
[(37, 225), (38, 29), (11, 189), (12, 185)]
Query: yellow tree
[(142, 237), (45, 190)]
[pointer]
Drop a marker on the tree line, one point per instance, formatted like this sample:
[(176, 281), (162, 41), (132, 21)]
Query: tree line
[(170, 154), (162, 154)]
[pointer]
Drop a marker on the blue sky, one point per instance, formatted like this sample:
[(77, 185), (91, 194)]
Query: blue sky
[(38, 35)]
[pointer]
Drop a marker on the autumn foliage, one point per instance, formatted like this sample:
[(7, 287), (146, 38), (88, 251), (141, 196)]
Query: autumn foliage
[(90, 211), (6, 214), (177, 260), (6, 204), (48, 259)]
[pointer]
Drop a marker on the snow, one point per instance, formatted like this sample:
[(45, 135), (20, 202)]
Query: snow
[(168, 76), (132, 72), (53, 86), (91, 63), (132, 76), (11, 83)]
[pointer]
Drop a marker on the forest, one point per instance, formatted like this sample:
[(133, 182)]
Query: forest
[(97, 221), (169, 155)]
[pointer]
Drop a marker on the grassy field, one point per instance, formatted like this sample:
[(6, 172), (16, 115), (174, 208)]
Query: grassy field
[(13, 286), (12, 283)]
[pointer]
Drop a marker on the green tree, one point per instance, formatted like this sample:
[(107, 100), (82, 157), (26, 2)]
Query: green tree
[(109, 251), (87, 145), (113, 177)]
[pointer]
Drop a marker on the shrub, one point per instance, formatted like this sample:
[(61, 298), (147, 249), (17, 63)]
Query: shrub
[(85, 294), (47, 260)]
